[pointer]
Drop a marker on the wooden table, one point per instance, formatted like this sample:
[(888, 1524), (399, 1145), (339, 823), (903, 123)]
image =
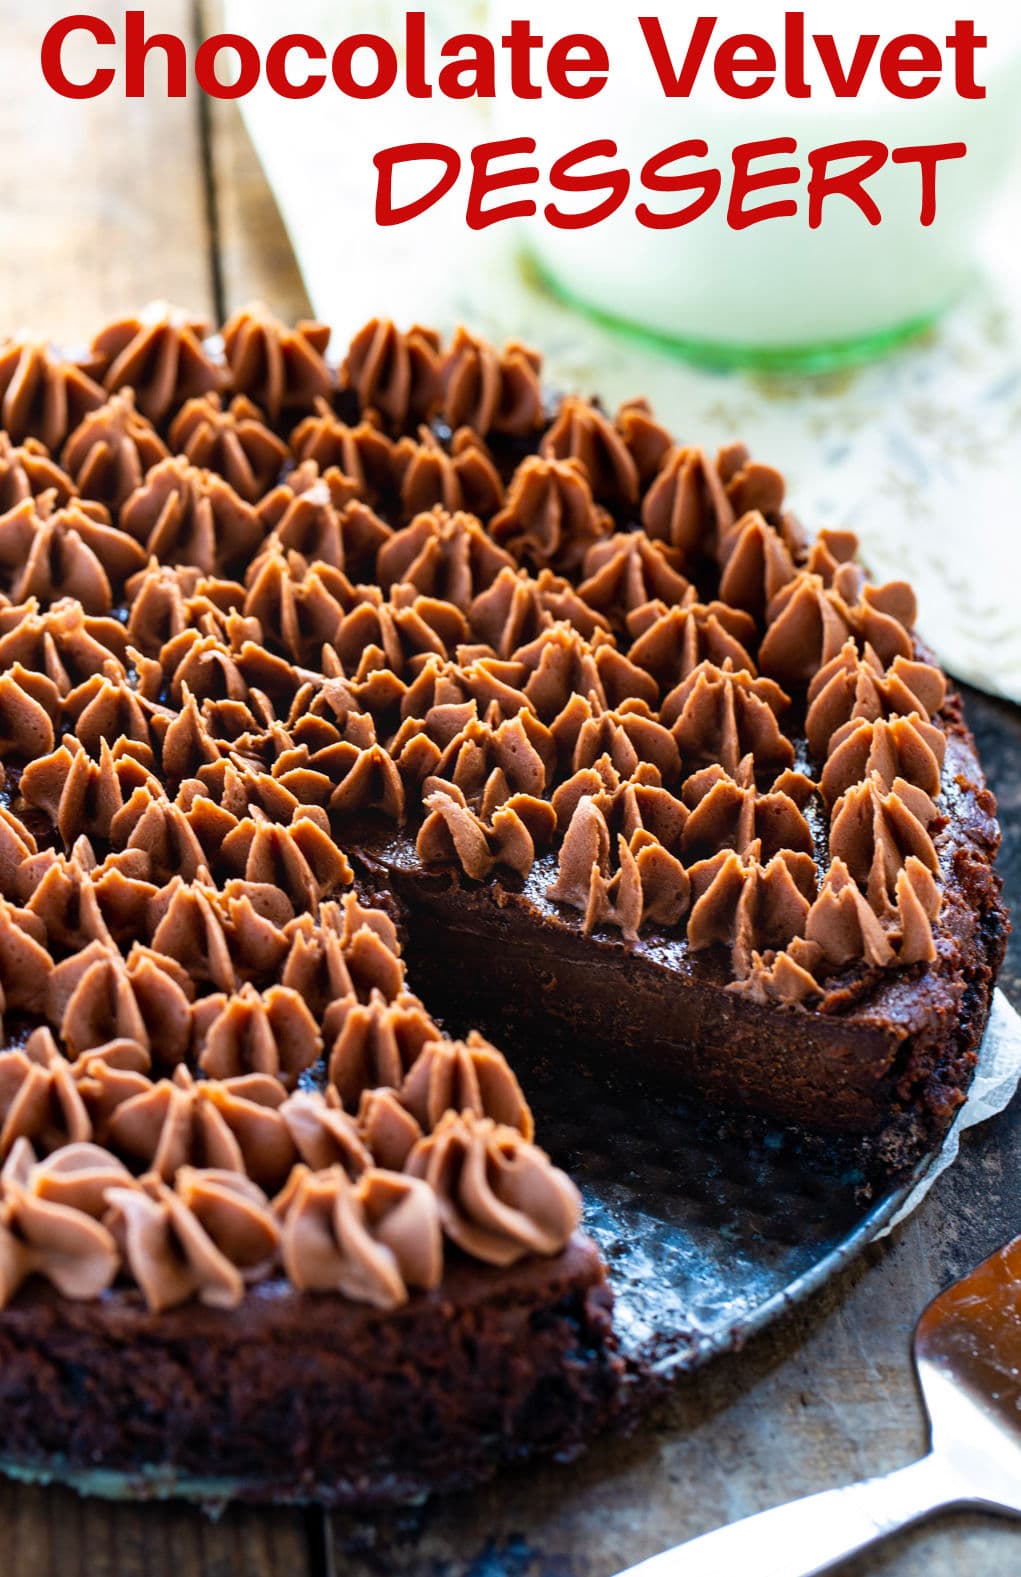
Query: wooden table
[(106, 205)]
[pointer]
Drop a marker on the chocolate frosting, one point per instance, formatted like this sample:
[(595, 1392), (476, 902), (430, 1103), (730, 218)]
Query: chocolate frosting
[(387, 1128), (111, 449), (490, 762), (459, 1076), (671, 642), (165, 600), (584, 880), (830, 550), (442, 555), (160, 355), (627, 571), (303, 515), (647, 440), (490, 390), (389, 635), (321, 517), (649, 883), (560, 663), (109, 1076), (39, 1100), (371, 1240), (236, 1216), (394, 373), (918, 903), (272, 1033), (581, 432), (686, 506), (453, 832), (842, 924), (75, 1176), (27, 470), (376, 1042), (299, 608), (499, 1197), (233, 1125), (234, 441), (50, 553), (40, 1237), (856, 685), (809, 622), (361, 454), (730, 812), (898, 747), (517, 607), (329, 485), (723, 714), (26, 726), (627, 736), (873, 831), (785, 976), (365, 778), (750, 485), (96, 997), (166, 1250), (78, 1216), (301, 860), (182, 515), (751, 905), (277, 366), (62, 643), (756, 563), (41, 395), (325, 959), (551, 518), (323, 1133), (462, 477)]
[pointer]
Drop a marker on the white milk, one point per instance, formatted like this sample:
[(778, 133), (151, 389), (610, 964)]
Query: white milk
[(777, 284)]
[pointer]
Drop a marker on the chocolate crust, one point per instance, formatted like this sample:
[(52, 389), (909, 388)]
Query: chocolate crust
[(307, 1398)]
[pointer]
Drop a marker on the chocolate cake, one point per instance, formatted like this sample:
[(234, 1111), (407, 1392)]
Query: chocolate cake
[(356, 709)]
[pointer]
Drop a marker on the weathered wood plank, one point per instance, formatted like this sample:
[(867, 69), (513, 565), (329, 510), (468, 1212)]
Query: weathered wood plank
[(102, 200), (50, 1531), (255, 260)]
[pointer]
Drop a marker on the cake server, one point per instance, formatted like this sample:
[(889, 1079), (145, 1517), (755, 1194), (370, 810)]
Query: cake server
[(968, 1356)]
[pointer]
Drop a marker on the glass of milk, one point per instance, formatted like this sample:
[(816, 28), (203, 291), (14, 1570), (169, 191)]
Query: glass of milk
[(776, 293)]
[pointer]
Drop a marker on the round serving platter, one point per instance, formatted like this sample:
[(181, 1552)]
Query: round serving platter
[(712, 1225)]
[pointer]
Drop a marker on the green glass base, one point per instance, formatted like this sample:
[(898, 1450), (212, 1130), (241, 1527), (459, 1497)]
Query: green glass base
[(829, 356)]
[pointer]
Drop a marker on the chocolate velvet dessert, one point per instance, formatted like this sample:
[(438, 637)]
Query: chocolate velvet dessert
[(351, 709)]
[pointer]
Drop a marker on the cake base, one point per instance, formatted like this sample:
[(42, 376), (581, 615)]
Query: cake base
[(307, 1398)]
